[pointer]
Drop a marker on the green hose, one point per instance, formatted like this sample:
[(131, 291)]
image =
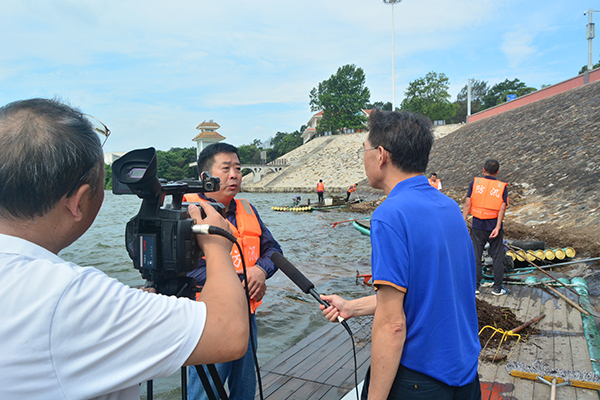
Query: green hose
[(589, 325)]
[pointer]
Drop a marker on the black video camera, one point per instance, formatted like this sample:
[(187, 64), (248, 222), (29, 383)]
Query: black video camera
[(159, 239)]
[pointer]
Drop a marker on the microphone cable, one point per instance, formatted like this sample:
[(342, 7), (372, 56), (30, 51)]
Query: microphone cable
[(215, 230), (308, 287)]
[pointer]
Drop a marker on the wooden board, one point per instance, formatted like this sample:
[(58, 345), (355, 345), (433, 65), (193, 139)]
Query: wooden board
[(321, 366)]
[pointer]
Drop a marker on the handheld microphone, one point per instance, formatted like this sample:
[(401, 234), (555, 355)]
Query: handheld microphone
[(298, 278)]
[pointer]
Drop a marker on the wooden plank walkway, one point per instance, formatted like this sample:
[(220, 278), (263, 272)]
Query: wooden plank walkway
[(321, 365), (561, 344)]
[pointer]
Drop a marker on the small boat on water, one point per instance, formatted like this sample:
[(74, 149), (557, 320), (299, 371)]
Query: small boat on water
[(363, 226), (299, 206)]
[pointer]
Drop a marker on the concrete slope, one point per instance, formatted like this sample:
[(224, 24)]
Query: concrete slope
[(331, 158)]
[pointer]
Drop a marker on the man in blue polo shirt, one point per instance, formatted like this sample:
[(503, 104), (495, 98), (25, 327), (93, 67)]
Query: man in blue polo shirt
[(424, 335)]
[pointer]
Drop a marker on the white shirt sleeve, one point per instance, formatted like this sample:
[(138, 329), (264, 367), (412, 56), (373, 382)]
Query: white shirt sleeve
[(106, 336)]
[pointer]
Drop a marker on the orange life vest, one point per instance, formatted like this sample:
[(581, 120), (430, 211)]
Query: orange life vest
[(247, 232), (320, 187), (486, 198), (435, 184), (352, 188)]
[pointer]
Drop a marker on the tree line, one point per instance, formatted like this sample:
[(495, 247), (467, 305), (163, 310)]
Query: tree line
[(344, 95), (173, 164)]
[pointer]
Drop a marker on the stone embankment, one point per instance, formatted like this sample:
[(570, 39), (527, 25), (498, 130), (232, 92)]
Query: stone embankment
[(330, 158), (549, 153)]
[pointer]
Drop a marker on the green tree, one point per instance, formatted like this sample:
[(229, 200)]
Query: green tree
[(585, 67), (381, 105), (284, 142), (250, 153), (429, 96), (107, 177), (173, 165), (478, 91), (497, 93), (341, 98)]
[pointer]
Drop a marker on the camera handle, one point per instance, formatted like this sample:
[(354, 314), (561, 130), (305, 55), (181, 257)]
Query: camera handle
[(206, 229)]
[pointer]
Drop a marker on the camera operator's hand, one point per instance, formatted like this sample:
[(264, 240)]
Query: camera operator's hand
[(212, 218), (223, 296)]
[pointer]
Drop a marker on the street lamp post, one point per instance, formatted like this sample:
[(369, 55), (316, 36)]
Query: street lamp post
[(590, 33), (393, 2)]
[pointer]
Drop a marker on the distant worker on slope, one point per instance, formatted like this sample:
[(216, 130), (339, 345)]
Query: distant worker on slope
[(320, 188), (435, 182), (350, 190), (487, 199)]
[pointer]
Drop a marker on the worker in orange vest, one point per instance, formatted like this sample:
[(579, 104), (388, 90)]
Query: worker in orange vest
[(350, 190), (435, 182), (222, 161), (320, 189), (487, 199)]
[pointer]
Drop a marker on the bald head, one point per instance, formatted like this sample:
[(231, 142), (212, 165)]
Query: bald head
[(45, 148)]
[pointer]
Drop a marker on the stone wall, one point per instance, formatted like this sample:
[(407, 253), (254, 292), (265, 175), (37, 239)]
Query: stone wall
[(331, 158)]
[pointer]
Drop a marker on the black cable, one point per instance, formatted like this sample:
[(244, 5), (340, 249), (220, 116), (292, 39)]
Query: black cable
[(347, 327), (256, 366)]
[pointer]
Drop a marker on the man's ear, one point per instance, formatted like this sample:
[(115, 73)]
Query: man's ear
[(383, 156), (74, 203)]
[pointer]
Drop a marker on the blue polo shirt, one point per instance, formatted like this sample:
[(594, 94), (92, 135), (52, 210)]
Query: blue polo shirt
[(421, 246)]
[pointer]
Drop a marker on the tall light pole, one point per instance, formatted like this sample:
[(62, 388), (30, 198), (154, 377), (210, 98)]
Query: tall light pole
[(590, 33), (393, 2)]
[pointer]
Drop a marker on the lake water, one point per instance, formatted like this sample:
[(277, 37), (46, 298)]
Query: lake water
[(329, 257)]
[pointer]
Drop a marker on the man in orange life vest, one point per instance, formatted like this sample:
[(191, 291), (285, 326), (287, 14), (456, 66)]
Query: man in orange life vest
[(350, 190), (435, 182), (320, 188), (221, 160), (487, 199)]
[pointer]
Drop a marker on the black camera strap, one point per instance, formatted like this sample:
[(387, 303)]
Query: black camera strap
[(216, 379)]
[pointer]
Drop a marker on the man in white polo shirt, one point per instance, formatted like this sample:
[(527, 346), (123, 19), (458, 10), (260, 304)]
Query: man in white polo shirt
[(70, 332)]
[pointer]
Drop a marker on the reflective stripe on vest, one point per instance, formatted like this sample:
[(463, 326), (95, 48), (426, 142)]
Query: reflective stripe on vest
[(247, 233), (486, 198)]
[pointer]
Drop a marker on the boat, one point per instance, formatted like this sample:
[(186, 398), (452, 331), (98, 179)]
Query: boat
[(363, 226)]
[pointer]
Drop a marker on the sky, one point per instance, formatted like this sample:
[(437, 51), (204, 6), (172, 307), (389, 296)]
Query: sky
[(152, 71)]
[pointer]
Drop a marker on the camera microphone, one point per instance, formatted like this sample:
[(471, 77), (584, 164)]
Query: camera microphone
[(299, 279)]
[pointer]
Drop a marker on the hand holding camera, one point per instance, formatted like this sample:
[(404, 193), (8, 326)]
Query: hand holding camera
[(213, 218)]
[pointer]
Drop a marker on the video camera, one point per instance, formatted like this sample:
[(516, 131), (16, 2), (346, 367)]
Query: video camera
[(159, 239)]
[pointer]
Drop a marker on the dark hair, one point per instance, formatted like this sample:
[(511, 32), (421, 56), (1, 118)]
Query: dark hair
[(206, 158), (406, 136), (433, 174), (45, 149), (491, 166)]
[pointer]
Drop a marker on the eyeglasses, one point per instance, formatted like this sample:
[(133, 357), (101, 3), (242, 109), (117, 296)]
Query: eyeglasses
[(104, 131), (360, 152)]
